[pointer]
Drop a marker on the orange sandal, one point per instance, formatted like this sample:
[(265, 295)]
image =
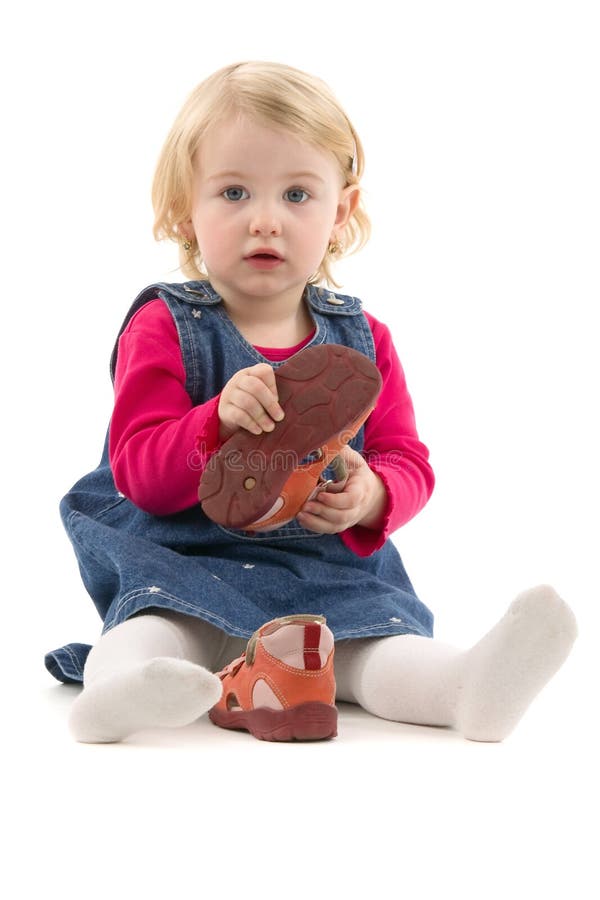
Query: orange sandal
[(283, 687), (258, 482)]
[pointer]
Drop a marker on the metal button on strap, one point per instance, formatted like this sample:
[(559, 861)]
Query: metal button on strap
[(197, 313), (335, 300)]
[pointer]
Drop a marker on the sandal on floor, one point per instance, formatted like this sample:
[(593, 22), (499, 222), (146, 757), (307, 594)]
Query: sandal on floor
[(257, 482), (282, 688)]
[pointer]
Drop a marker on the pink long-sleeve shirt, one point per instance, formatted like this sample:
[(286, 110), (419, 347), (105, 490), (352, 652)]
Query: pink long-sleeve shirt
[(159, 442)]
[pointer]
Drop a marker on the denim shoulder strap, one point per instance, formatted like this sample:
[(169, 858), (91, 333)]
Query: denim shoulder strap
[(339, 318), (174, 295), (342, 319)]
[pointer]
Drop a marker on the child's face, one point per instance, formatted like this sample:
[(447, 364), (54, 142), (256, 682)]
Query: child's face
[(267, 203)]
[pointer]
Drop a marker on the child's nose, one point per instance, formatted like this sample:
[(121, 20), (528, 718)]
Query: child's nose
[(265, 220)]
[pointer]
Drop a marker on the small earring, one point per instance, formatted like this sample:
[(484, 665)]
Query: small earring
[(335, 247), (187, 245)]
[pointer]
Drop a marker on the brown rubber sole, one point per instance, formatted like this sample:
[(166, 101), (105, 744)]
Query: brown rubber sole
[(306, 722), (326, 393)]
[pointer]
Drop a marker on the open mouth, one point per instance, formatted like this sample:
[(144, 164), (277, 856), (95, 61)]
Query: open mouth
[(264, 260)]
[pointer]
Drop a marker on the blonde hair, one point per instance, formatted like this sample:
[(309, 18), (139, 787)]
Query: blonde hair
[(275, 95)]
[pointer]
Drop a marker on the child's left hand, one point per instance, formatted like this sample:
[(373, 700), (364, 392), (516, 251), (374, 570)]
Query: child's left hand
[(362, 501)]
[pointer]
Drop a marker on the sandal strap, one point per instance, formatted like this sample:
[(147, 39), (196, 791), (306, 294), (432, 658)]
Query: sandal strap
[(336, 484), (274, 625)]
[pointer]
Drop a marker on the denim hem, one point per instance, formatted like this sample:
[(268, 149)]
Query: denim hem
[(153, 596), (66, 664), (381, 629), (145, 597)]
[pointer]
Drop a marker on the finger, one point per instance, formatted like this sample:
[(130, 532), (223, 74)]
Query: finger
[(241, 419), (316, 523), (336, 517), (266, 374), (264, 395), (341, 500), (259, 382), (268, 395), (351, 457), (244, 399)]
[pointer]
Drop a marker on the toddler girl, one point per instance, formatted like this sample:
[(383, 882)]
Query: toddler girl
[(258, 182)]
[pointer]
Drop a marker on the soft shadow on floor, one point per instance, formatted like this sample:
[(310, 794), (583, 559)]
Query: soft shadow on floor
[(355, 726)]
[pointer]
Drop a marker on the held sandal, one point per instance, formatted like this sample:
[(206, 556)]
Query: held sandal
[(260, 482)]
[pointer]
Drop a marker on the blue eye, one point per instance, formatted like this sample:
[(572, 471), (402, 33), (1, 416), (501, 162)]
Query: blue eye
[(296, 195), (225, 193), (296, 191)]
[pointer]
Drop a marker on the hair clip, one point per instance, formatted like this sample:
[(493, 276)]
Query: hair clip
[(354, 162)]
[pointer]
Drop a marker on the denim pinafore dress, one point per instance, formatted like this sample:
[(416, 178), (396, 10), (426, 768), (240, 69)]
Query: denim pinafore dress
[(131, 560)]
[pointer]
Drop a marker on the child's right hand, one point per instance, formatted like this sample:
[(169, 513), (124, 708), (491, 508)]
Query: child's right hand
[(249, 400)]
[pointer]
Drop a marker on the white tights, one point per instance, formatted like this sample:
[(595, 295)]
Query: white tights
[(155, 669)]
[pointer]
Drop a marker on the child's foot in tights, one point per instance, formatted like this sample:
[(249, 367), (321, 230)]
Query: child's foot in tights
[(482, 692), (148, 672)]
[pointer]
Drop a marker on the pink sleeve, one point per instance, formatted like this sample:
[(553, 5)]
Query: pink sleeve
[(158, 441), (392, 449)]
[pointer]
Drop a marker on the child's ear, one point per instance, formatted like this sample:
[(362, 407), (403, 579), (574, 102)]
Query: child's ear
[(186, 230), (349, 199)]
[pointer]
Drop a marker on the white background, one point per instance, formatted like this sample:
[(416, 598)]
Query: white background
[(480, 126)]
